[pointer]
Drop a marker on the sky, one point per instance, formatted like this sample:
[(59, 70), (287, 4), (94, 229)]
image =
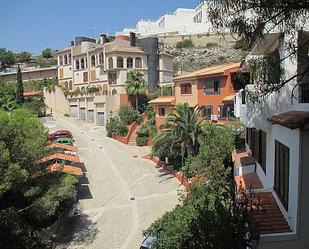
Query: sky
[(32, 25)]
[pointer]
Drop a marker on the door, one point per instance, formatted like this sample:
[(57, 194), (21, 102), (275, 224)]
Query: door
[(91, 116), (101, 118), (73, 111), (82, 114)]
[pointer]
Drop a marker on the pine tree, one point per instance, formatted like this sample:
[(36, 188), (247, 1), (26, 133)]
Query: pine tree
[(20, 88)]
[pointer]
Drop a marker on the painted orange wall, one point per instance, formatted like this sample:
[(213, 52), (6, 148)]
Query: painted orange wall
[(215, 100)]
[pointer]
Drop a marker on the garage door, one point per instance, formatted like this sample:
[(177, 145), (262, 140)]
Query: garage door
[(73, 111), (82, 114), (91, 116), (101, 118)]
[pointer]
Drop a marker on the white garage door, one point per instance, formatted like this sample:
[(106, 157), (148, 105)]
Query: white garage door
[(91, 116), (73, 111), (101, 118), (82, 114)]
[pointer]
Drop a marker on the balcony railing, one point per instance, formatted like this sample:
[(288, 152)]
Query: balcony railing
[(304, 93)]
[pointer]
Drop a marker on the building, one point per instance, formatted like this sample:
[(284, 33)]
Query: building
[(29, 74), (96, 72), (182, 22), (275, 162), (210, 88)]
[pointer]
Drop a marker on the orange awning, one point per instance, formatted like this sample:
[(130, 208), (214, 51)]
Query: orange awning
[(61, 157), (33, 93), (65, 168), (61, 146)]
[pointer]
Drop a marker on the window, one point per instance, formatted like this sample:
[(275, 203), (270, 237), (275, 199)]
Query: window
[(161, 111), (77, 64), (82, 63), (119, 62), (212, 87), (70, 85), (110, 62), (262, 149), (93, 60), (112, 78), (282, 165), (243, 97), (207, 111), (65, 60), (304, 92), (114, 92), (85, 76), (251, 139), (101, 58), (69, 58), (129, 62), (60, 61), (222, 111), (186, 88), (138, 62)]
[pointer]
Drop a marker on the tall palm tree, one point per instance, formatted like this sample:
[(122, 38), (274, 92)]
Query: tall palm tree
[(135, 84), (184, 126)]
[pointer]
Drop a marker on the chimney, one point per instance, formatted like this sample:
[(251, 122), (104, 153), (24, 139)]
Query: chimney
[(72, 43), (103, 38), (132, 39)]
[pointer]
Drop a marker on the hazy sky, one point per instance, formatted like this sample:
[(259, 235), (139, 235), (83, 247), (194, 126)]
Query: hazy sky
[(32, 25)]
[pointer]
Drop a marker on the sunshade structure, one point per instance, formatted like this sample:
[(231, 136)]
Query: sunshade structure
[(59, 158), (61, 147), (65, 168)]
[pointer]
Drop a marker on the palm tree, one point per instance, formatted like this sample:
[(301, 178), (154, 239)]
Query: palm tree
[(135, 84), (25, 57), (183, 126)]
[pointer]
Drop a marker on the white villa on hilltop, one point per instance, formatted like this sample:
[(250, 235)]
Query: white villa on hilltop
[(182, 22)]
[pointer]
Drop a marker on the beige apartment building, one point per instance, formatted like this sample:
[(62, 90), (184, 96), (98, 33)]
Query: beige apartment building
[(89, 63)]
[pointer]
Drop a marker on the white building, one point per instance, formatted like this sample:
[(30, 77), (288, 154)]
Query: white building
[(275, 162), (182, 21)]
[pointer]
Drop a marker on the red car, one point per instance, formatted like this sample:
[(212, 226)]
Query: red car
[(60, 134)]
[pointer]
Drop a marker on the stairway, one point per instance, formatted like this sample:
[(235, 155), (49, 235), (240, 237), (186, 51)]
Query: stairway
[(132, 140)]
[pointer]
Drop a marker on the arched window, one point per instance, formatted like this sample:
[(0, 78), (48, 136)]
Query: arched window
[(119, 62), (66, 85), (82, 63), (105, 89), (77, 64), (101, 58), (110, 62), (93, 60), (83, 89), (70, 85), (114, 92), (138, 62), (129, 62), (65, 60), (69, 58), (60, 61)]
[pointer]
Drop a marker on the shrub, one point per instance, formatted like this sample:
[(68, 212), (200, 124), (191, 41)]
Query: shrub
[(143, 131), (186, 43), (128, 115), (112, 127), (241, 44), (141, 141), (122, 129), (211, 45)]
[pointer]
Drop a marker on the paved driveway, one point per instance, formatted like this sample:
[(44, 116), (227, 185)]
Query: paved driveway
[(121, 195)]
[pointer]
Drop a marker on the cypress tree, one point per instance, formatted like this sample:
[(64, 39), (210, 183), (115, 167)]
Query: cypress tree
[(20, 88)]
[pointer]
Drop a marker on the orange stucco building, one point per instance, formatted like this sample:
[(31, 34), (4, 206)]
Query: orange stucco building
[(211, 88)]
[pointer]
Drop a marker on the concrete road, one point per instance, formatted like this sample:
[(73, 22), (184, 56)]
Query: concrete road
[(121, 195)]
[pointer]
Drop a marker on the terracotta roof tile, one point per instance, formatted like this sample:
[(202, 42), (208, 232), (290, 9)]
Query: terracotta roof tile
[(61, 146), (292, 120), (65, 168), (249, 181), (33, 93), (164, 100), (242, 158), (59, 156)]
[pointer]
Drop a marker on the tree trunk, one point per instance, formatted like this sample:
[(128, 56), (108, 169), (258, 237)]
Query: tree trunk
[(136, 102)]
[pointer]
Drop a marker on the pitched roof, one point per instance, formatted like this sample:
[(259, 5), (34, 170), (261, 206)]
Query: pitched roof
[(292, 120), (164, 100), (61, 146), (65, 168), (60, 156), (219, 69)]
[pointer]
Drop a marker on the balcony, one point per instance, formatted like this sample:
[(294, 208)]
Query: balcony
[(304, 93)]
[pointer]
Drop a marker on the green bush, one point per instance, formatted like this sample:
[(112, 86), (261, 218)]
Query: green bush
[(36, 107), (128, 115), (112, 127), (141, 141), (122, 129), (241, 44), (143, 131), (186, 43)]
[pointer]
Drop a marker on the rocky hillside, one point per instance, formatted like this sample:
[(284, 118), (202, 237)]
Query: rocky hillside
[(206, 53)]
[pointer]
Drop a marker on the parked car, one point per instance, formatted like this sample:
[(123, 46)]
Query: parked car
[(59, 134), (148, 242), (65, 140)]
